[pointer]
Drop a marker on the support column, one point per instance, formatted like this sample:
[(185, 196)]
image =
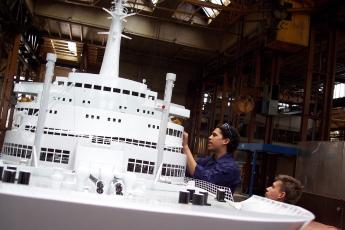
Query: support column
[(236, 92), (329, 85), (274, 81), (213, 109), (224, 97), (7, 89), (84, 64), (252, 121), (42, 70), (307, 89), (196, 131), (197, 99)]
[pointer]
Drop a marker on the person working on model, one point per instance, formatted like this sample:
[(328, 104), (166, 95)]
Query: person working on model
[(220, 168)]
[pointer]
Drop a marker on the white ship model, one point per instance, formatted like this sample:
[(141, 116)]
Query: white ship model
[(104, 154)]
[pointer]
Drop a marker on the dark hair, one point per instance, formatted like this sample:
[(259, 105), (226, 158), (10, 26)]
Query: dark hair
[(230, 132), (292, 188)]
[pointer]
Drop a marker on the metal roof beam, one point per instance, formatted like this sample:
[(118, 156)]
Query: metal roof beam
[(137, 25)]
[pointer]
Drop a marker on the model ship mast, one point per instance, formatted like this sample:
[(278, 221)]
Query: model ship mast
[(111, 59)]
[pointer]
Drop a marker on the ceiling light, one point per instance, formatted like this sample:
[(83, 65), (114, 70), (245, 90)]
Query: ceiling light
[(154, 2), (72, 47)]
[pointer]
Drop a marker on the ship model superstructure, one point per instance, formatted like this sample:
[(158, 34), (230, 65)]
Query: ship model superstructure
[(97, 118)]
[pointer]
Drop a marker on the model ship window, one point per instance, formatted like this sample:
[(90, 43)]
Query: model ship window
[(108, 89), (129, 141), (62, 99), (54, 155), (130, 167), (17, 150), (105, 88), (173, 132), (101, 140), (153, 126), (33, 112), (97, 87), (53, 111), (30, 112), (173, 149), (57, 132), (61, 83), (135, 142), (140, 166), (95, 139), (173, 170)]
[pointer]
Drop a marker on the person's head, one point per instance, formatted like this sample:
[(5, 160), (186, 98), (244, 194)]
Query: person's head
[(286, 189), (223, 138)]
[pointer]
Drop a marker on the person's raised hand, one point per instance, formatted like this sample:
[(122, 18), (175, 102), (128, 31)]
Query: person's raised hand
[(185, 139)]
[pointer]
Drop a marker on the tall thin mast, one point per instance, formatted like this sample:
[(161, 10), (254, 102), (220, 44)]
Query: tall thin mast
[(111, 59)]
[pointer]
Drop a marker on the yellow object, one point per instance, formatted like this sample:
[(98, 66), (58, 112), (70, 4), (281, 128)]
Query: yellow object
[(292, 34), (25, 99), (176, 120)]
